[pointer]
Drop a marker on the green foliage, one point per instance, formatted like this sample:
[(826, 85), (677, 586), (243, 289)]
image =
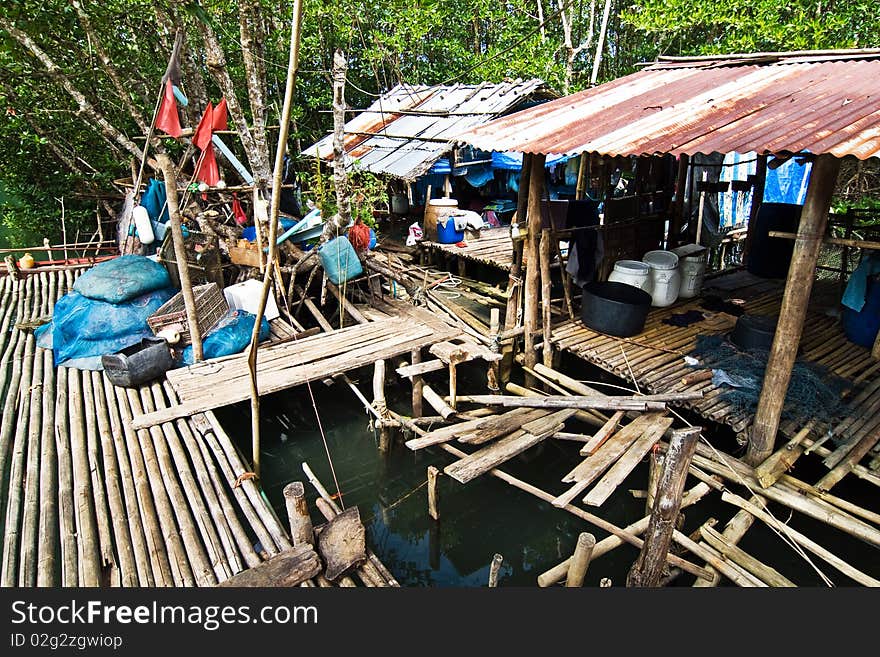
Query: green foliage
[(369, 193)]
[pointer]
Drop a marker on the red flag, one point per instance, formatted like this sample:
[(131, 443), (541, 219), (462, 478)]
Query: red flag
[(219, 120), (209, 172), (202, 135), (167, 119), (237, 211)]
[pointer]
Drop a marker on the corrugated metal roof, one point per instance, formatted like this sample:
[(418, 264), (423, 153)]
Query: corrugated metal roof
[(821, 102), (409, 128)]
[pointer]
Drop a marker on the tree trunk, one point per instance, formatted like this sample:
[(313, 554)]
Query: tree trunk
[(338, 223)]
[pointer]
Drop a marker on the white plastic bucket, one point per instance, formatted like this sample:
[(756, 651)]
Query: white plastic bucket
[(632, 272), (692, 265), (665, 277)]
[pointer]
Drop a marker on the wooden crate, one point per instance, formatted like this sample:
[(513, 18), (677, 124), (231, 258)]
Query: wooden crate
[(244, 253), (210, 307)]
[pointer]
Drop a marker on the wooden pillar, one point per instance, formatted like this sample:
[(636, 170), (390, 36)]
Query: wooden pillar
[(793, 311), (416, 358), (580, 560), (180, 255), (547, 349), (493, 373), (580, 189), (648, 568), (381, 406), (433, 474), (533, 265), (298, 514), (494, 567)]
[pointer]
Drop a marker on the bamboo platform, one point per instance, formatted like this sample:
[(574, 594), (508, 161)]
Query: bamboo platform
[(494, 248), (655, 357), (87, 500)]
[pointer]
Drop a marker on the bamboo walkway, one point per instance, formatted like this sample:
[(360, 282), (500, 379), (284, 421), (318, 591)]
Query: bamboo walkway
[(86, 500), (655, 357), (494, 248)]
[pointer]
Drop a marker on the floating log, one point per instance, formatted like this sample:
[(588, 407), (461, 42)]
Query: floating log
[(580, 560), (494, 569), (648, 569), (291, 567), (301, 530)]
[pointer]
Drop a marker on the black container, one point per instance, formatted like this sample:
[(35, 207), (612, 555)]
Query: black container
[(615, 308), (769, 257), (754, 332), (147, 360)]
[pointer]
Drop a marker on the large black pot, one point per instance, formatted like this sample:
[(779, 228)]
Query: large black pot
[(615, 308), (754, 332)]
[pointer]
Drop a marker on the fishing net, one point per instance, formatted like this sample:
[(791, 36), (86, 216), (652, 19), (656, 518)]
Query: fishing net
[(812, 393)]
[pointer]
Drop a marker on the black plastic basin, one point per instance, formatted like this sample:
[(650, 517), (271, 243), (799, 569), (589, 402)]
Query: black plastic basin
[(615, 308)]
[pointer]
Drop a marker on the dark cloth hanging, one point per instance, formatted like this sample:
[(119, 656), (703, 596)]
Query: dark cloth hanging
[(581, 214)]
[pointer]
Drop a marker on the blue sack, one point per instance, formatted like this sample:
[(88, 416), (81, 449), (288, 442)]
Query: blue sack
[(230, 336), (83, 327), (122, 279)]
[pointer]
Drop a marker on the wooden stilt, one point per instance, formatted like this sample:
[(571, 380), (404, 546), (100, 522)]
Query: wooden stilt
[(792, 313), (416, 357), (433, 474), (532, 265), (544, 248), (648, 569), (494, 569), (298, 514), (580, 560), (380, 405)]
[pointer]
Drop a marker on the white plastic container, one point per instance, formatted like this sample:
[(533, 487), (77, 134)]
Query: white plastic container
[(632, 272), (692, 266), (665, 277), (143, 225), (246, 296)]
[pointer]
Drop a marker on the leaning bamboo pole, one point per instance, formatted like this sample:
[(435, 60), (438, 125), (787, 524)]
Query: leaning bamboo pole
[(136, 532), (210, 539), (122, 539)]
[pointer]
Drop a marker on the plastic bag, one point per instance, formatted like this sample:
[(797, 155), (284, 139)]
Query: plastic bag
[(415, 234), (122, 279), (231, 335), (83, 327)]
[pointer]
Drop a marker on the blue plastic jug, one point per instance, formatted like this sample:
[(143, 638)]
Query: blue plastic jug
[(340, 260)]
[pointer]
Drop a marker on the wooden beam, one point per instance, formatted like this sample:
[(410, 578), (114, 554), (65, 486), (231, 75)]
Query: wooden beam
[(792, 313), (288, 568)]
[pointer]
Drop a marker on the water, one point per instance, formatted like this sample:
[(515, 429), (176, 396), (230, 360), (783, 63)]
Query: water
[(487, 515)]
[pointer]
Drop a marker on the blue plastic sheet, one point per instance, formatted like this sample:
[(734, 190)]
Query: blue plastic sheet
[(154, 201), (231, 335), (122, 279), (83, 327)]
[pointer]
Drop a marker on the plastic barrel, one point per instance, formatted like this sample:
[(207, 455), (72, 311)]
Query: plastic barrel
[(769, 257)]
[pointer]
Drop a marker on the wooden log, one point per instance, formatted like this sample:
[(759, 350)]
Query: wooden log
[(733, 533), (559, 572), (580, 560), (301, 530), (436, 401), (533, 226), (727, 568), (582, 403), (494, 569), (775, 465), (380, 404), (793, 311), (593, 418), (433, 474), (728, 550), (417, 384), (291, 567), (342, 543), (493, 374), (648, 569)]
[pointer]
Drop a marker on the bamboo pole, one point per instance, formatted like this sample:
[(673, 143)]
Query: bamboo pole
[(733, 532), (530, 314), (580, 560), (298, 514), (381, 405), (31, 418), (180, 256), (544, 255), (792, 313), (494, 569), (47, 565), (648, 569), (417, 385), (433, 474), (728, 550), (66, 504), (281, 150)]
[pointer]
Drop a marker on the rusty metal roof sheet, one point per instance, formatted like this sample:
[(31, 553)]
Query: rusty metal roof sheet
[(409, 128), (821, 102)]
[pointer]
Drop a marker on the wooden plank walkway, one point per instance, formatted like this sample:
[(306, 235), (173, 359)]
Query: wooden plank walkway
[(86, 500), (223, 381), (494, 247), (656, 356)]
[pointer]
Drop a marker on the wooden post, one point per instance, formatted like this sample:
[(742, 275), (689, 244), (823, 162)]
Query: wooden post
[(381, 406), (793, 311), (702, 204), (655, 467), (433, 511), (648, 569), (581, 187), (580, 560), (301, 530), (180, 255), (453, 383), (514, 282), (416, 357), (493, 373), (530, 314), (494, 567), (547, 349)]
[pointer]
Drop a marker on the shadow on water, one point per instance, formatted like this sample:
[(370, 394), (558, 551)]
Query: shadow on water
[(486, 515)]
